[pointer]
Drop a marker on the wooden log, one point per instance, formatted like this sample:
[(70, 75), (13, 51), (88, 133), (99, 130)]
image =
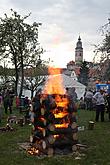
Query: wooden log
[(78, 146), (60, 114), (40, 132), (20, 121), (38, 146), (56, 131), (81, 146), (44, 144), (12, 119), (75, 136), (42, 147), (62, 143), (64, 131), (74, 148), (61, 120), (43, 120), (40, 123), (50, 152), (43, 132), (50, 117), (33, 138), (3, 129), (51, 139), (51, 127), (48, 141), (42, 111)]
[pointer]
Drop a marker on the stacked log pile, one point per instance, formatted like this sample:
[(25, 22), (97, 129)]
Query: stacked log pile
[(54, 125), (7, 128)]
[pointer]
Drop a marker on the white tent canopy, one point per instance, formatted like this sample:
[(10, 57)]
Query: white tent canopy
[(69, 82)]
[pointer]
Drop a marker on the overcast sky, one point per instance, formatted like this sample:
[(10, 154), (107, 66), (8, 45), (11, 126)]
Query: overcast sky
[(62, 22)]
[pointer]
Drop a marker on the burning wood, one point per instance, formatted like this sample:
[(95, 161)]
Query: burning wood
[(64, 125), (55, 121), (33, 151), (59, 114)]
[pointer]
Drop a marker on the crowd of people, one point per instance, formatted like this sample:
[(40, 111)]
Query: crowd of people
[(98, 101), (7, 99)]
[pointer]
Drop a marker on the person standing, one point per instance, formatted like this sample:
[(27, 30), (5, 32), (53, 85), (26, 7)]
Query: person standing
[(100, 105), (1, 100), (88, 99), (108, 105), (6, 101)]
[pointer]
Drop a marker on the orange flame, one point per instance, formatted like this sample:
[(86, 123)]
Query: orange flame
[(33, 151), (56, 136), (54, 84), (61, 101), (60, 114), (64, 125)]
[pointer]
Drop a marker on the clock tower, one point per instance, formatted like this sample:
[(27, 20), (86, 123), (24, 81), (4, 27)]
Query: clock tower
[(78, 52)]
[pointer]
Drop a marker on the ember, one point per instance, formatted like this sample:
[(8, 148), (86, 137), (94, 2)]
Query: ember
[(55, 121), (33, 151)]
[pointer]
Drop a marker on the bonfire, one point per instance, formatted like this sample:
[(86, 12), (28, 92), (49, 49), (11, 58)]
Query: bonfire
[(55, 126)]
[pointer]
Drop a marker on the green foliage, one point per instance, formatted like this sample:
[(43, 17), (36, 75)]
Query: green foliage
[(19, 43), (84, 73)]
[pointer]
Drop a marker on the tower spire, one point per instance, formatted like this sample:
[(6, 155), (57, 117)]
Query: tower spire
[(79, 39), (79, 51)]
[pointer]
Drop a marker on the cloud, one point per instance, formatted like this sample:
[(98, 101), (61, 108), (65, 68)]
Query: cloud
[(63, 21)]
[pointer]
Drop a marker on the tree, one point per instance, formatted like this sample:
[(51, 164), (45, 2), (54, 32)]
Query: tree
[(19, 43), (6, 76), (35, 77), (84, 73), (103, 50)]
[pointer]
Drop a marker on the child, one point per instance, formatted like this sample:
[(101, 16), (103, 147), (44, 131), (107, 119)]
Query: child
[(31, 114)]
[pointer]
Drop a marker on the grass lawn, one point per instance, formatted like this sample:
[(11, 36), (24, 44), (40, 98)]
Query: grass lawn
[(97, 140)]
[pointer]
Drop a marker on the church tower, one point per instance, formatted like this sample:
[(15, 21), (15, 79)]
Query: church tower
[(78, 52)]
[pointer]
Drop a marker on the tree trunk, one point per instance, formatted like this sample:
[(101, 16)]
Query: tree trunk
[(16, 81), (32, 92), (22, 77)]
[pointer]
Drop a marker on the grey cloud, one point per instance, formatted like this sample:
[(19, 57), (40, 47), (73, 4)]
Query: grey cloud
[(71, 16), (34, 4)]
